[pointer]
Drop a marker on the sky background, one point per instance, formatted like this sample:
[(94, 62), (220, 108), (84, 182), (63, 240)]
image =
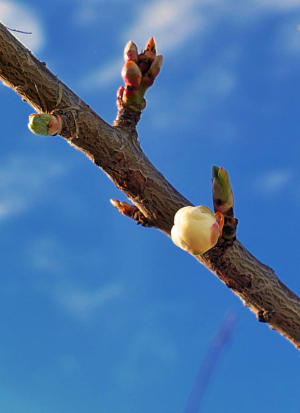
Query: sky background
[(98, 314)]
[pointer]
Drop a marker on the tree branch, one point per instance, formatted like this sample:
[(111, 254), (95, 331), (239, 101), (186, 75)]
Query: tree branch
[(116, 150)]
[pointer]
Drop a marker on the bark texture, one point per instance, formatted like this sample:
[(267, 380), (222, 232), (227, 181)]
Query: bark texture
[(116, 150)]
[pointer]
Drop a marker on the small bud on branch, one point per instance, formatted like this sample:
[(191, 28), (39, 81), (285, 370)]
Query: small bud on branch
[(196, 229), (222, 192), (45, 124)]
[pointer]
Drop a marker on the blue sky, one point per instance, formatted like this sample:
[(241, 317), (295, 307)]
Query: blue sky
[(97, 313)]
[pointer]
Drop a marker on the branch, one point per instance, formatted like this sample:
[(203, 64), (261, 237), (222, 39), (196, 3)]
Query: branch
[(117, 152)]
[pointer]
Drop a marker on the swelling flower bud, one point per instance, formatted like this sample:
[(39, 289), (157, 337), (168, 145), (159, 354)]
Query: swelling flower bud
[(196, 229), (153, 71), (132, 74), (150, 49), (131, 52)]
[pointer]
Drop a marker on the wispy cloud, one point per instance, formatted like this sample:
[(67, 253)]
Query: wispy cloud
[(274, 181), (103, 75), (82, 304), (47, 256), (22, 17), (170, 22), (174, 22), (22, 182), (288, 37), (55, 263), (89, 12)]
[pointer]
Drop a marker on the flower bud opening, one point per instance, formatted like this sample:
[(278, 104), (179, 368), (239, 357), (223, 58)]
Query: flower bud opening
[(196, 229)]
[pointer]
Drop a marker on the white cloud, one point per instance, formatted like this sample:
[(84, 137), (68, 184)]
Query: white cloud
[(82, 304), (91, 11), (23, 181), (175, 22), (170, 22), (103, 76), (274, 181), (158, 19), (19, 16)]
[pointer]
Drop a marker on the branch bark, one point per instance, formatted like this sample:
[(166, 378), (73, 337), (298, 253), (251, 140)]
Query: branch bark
[(116, 150)]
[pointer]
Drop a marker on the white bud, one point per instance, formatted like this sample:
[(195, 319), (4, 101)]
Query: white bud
[(195, 229)]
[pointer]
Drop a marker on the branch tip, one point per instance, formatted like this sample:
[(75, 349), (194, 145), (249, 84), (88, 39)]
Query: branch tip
[(131, 211), (138, 73)]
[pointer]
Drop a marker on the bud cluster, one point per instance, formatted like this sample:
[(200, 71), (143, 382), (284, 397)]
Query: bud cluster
[(138, 73)]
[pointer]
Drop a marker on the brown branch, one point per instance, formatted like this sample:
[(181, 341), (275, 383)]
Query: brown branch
[(117, 151)]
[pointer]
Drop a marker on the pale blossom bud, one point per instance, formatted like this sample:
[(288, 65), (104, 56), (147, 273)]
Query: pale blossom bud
[(196, 229)]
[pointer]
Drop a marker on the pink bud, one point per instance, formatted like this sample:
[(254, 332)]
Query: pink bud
[(153, 71), (131, 52), (132, 74)]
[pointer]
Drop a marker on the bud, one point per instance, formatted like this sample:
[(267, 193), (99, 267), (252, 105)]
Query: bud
[(222, 192), (153, 71), (196, 229), (147, 56), (132, 74), (150, 49), (131, 51), (45, 124)]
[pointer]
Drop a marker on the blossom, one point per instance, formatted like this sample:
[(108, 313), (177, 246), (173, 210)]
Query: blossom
[(196, 229)]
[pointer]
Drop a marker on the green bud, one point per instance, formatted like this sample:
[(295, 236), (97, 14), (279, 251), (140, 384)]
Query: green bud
[(45, 124), (39, 124), (222, 192)]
